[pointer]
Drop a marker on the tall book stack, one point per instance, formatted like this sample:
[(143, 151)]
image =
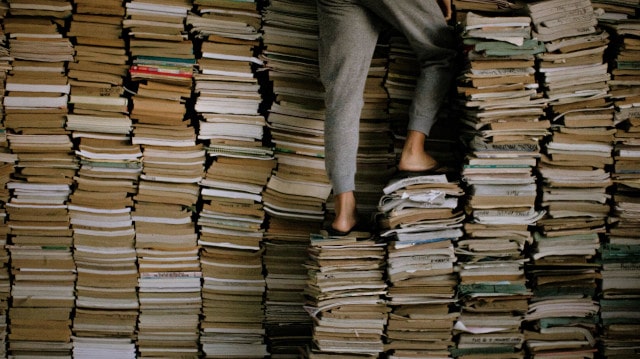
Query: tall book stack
[(288, 325), (502, 113), (619, 298), (501, 110), (620, 294), (293, 203), (40, 236), (563, 314), (421, 220), (100, 206), (173, 164), (7, 166), (299, 187), (231, 229), (345, 296), (232, 215), (226, 82), (575, 178), (574, 78)]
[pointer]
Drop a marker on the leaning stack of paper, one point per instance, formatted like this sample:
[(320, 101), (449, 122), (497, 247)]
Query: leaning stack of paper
[(420, 264)]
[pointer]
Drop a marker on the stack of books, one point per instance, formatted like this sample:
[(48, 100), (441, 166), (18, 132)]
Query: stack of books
[(345, 296), (40, 236), (288, 325), (420, 264), (228, 97), (574, 78), (232, 215), (563, 326), (297, 193), (233, 313), (620, 294), (299, 187), (620, 297), (231, 225), (575, 177), (100, 206), (173, 164), (563, 277), (7, 168), (502, 113)]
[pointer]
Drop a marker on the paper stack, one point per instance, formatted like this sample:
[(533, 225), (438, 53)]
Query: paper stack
[(40, 236), (502, 112), (100, 206), (231, 225), (574, 78), (173, 164), (504, 125), (7, 168), (420, 264), (345, 296), (299, 187), (575, 175), (288, 325), (620, 288)]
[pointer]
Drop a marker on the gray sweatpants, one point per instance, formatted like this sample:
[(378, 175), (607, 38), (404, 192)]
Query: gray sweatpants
[(349, 32)]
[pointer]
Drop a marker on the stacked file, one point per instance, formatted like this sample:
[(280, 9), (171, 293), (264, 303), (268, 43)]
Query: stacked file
[(299, 187), (620, 297), (492, 290), (172, 165), (231, 220), (501, 111), (620, 287), (420, 264), (228, 97), (574, 78), (574, 171), (563, 326), (7, 168), (232, 293), (296, 194), (563, 274), (231, 230), (35, 106), (288, 325), (345, 296), (100, 206), (504, 125)]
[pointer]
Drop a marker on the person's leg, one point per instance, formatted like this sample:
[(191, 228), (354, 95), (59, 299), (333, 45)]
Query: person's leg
[(424, 25), (347, 40)]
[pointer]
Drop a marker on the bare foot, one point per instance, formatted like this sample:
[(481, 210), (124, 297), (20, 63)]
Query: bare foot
[(346, 214), (414, 157)]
